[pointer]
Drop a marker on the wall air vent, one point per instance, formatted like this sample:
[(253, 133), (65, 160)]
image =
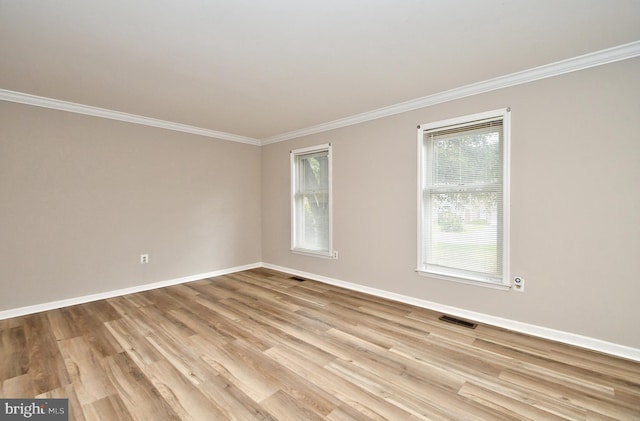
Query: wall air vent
[(459, 322)]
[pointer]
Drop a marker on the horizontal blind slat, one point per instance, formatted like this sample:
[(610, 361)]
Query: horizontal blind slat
[(463, 128)]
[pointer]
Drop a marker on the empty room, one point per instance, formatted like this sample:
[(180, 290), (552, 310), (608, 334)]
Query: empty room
[(329, 210)]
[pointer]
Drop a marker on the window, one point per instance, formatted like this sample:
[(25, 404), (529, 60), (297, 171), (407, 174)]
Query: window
[(311, 200), (463, 198)]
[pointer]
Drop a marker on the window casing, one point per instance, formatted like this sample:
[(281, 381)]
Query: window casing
[(463, 197), (311, 200)]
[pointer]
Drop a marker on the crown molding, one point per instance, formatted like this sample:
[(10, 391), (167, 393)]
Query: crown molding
[(72, 107), (598, 58)]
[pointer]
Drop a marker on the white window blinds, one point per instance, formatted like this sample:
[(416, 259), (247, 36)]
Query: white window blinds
[(462, 200), (311, 200)]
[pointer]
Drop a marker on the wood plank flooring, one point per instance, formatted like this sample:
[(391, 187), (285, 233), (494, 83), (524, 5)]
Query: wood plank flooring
[(258, 345)]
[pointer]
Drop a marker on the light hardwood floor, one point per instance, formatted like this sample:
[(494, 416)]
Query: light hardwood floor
[(258, 345)]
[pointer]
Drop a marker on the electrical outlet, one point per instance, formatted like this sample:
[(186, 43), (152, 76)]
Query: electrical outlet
[(518, 284), (144, 258), (335, 254)]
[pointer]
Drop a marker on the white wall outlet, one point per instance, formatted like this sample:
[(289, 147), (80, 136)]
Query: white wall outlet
[(144, 258), (518, 284), (335, 254)]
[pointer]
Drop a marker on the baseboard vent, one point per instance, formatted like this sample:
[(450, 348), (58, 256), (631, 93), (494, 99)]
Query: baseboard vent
[(458, 322), (297, 278)]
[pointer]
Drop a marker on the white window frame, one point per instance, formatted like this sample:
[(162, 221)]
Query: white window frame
[(461, 275), (294, 191)]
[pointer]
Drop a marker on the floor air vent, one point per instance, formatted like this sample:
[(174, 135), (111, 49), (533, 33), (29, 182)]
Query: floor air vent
[(297, 278), (458, 322)]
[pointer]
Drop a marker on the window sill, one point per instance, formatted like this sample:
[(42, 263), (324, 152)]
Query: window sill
[(311, 253), (469, 281)]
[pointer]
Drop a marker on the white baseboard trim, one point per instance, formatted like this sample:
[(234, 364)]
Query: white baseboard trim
[(539, 331), (52, 305)]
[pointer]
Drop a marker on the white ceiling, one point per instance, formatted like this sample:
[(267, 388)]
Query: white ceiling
[(259, 68)]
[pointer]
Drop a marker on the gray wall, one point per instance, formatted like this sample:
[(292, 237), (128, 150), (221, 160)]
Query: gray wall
[(81, 198), (575, 185)]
